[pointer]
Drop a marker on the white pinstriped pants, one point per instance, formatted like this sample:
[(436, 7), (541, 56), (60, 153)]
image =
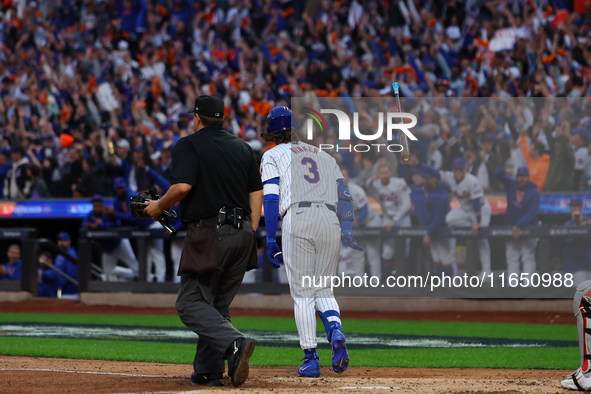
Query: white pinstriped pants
[(310, 240)]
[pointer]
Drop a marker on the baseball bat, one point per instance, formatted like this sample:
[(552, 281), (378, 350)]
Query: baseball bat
[(402, 137)]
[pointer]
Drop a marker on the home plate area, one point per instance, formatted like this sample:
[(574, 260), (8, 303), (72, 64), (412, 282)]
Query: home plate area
[(44, 375)]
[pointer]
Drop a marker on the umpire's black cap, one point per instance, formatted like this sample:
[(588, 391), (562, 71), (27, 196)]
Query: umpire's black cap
[(211, 106)]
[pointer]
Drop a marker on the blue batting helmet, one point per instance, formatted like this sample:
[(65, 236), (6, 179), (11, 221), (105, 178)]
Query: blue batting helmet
[(280, 118)]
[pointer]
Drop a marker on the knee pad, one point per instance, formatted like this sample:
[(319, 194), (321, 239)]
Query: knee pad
[(582, 311), (582, 299)]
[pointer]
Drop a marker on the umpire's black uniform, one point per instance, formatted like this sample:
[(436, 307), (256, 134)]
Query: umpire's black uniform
[(220, 244)]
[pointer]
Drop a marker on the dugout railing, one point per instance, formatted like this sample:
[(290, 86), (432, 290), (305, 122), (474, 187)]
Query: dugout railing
[(89, 252), (544, 262)]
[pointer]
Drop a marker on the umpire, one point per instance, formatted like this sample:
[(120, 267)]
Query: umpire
[(216, 178)]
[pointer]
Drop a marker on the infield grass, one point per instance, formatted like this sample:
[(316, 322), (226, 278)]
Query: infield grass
[(543, 358), (428, 328)]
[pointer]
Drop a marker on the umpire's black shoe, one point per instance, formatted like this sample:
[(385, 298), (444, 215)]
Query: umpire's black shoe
[(207, 379), (238, 355)]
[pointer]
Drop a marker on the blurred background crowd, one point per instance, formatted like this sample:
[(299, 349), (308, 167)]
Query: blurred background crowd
[(94, 93), (92, 90), (549, 136)]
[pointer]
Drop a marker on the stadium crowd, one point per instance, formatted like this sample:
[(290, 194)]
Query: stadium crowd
[(92, 90), (94, 94)]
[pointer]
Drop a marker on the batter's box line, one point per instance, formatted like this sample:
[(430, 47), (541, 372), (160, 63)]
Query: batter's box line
[(93, 373), (370, 388), (171, 392)]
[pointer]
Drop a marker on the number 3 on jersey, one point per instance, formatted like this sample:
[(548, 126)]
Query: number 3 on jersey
[(313, 176)]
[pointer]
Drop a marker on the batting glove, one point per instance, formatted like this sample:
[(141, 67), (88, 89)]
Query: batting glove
[(274, 254), (349, 240)]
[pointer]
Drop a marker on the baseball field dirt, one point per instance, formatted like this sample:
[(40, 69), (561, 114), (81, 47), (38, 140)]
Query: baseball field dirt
[(53, 375)]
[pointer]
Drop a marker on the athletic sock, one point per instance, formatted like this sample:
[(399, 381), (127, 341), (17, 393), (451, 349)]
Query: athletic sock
[(308, 353), (331, 320)]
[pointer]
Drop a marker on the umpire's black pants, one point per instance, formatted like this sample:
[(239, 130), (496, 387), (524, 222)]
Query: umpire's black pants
[(204, 300)]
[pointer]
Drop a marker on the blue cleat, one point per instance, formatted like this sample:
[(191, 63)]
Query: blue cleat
[(340, 356), (311, 367)]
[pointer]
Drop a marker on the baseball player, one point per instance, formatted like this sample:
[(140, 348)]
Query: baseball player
[(365, 216), (305, 186), (113, 250), (523, 203), (394, 197), (474, 208), (580, 140), (418, 197), (581, 378), (12, 270), (49, 280), (437, 208), (69, 289)]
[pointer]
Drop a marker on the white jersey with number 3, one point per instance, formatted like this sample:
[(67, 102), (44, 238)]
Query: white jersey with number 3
[(311, 234), (306, 174)]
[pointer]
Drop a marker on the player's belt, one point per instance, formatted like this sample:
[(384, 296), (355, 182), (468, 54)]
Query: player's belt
[(308, 204)]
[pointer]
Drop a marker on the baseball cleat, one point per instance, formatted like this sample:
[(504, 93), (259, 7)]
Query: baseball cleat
[(207, 379), (238, 367), (310, 368), (577, 381), (340, 355)]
